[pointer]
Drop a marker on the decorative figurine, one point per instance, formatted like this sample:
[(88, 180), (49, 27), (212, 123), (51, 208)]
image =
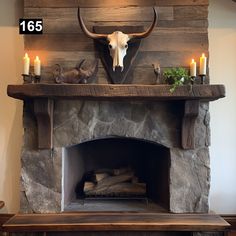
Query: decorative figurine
[(78, 75), (157, 71)]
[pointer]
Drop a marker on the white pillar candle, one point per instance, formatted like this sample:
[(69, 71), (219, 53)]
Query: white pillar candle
[(26, 62), (193, 68), (203, 65), (37, 66)]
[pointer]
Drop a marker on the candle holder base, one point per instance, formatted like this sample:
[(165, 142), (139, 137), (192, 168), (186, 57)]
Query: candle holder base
[(27, 78), (193, 78), (203, 78), (37, 79)]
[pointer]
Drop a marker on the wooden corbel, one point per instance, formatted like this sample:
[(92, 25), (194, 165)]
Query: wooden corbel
[(43, 109), (191, 111)]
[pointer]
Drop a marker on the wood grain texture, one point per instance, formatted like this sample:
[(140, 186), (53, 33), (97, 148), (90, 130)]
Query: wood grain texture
[(164, 41), (180, 35), (191, 111), (3, 219), (95, 91), (106, 3), (231, 219), (115, 222), (43, 110)]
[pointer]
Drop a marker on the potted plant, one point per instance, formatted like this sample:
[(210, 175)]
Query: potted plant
[(176, 77)]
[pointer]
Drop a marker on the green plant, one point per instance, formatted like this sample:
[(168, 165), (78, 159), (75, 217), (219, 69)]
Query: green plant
[(176, 77)]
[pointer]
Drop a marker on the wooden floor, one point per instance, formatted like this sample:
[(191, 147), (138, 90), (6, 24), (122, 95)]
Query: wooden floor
[(115, 222)]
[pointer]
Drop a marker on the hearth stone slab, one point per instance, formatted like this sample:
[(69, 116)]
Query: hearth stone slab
[(79, 121)]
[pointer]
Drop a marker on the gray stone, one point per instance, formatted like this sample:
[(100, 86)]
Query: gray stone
[(189, 181), (41, 199), (79, 121)]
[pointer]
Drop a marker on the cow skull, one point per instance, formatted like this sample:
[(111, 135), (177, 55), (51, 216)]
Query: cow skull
[(117, 41)]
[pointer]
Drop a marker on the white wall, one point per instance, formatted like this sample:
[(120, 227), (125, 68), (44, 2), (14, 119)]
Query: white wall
[(11, 51), (222, 41)]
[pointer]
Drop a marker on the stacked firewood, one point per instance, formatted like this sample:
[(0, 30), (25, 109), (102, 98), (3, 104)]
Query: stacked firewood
[(114, 183)]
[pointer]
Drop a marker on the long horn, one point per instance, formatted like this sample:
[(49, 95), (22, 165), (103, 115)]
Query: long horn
[(148, 31), (86, 31)]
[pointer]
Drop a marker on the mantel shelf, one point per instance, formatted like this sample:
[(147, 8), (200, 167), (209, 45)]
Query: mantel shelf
[(107, 92), (43, 96), (115, 222)]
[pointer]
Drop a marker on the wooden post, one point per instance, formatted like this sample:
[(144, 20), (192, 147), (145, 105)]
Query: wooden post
[(191, 110), (43, 109)]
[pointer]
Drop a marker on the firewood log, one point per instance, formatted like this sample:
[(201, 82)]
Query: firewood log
[(119, 189), (88, 186), (111, 180), (122, 171), (101, 176)]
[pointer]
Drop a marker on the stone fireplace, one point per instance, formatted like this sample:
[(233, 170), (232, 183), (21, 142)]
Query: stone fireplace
[(91, 135), (72, 133)]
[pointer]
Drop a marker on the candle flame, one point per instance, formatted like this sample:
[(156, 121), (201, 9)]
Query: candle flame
[(26, 55), (37, 58), (203, 55), (193, 60)]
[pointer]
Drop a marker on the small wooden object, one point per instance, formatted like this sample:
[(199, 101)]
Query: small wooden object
[(2, 204)]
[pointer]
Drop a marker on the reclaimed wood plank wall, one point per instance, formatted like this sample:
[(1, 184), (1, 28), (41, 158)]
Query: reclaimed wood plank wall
[(181, 32)]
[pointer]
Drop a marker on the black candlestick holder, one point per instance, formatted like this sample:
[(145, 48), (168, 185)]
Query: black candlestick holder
[(37, 79), (30, 78), (193, 78), (27, 78), (203, 78)]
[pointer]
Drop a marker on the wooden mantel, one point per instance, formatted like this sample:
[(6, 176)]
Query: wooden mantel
[(110, 92), (44, 95)]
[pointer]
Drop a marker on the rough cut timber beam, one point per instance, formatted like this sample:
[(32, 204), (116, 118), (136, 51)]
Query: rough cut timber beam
[(191, 111), (43, 110)]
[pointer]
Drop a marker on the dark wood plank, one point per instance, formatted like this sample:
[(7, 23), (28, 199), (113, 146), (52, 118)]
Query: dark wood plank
[(115, 222), (231, 219), (95, 91), (143, 59), (164, 41), (70, 26), (133, 14), (3, 219), (191, 110), (190, 12), (95, 3), (43, 110)]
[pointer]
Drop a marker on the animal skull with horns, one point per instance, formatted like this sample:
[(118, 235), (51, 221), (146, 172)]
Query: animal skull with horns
[(117, 41)]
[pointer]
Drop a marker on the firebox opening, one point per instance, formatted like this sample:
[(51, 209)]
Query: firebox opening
[(116, 174)]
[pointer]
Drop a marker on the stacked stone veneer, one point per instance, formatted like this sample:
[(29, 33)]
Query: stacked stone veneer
[(78, 121)]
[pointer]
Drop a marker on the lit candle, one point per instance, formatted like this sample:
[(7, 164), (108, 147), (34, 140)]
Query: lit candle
[(37, 66), (26, 61), (193, 68), (203, 65)]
